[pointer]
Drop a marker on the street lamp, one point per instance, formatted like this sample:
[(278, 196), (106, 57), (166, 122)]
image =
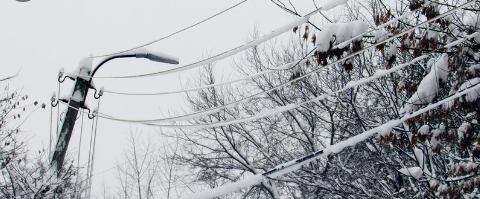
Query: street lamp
[(79, 93)]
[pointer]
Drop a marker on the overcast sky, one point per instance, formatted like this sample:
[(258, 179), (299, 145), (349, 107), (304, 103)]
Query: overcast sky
[(39, 37)]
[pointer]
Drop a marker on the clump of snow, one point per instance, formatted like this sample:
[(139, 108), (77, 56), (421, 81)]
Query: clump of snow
[(434, 141), (429, 86), (359, 28), (471, 96), (419, 155), (77, 96), (84, 68), (424, 130), (392, 51), (462, 130), (333, 4), (344, 34), (385, 131), (415, 172), (60, 72), (323, 40)]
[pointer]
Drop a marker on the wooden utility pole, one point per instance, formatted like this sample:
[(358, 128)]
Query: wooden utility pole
[(76, 101)]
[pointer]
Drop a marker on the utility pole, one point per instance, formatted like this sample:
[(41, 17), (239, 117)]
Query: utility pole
[(76, 101), (79, 94)]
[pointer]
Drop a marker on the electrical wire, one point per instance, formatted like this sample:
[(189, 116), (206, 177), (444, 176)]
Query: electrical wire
[(51, 132), (377, 75), (263, 72), (78, 159), (88, 187), (232, 104), (58, 110), (93, 153), (172, 34), (279, 68), (224, 54)]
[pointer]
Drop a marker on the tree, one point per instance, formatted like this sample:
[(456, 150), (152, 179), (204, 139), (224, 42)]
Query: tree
[(21, 176), (149, 170), (137, 175), (432, 155)]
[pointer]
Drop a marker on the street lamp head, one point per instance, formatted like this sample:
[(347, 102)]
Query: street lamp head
[(157, 57), (140, 53)]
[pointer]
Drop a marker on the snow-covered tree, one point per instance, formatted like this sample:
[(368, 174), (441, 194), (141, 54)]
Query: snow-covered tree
[(432, 155), (21, 176)]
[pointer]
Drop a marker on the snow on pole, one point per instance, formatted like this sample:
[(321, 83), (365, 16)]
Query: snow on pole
[(332, 149)]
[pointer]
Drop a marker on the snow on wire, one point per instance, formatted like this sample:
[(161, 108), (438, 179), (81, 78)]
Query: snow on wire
[(283, 67), (332, 149), (246, 99), (241, 48), (378, 74)]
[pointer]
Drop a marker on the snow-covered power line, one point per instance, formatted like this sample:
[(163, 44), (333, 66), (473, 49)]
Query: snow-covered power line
[(332, 149), (222, 55), (174, 33), (378, 74), (235, 50), (281, 109), (282, 67), (246, 99)]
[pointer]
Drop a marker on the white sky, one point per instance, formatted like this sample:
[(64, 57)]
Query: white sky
[(39, 37)]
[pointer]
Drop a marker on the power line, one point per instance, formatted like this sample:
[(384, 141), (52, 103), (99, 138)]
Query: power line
[(282, 67), (217, 57), (230, 52), (294, 106), (232, 104), (179, 31), (377, 75)]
